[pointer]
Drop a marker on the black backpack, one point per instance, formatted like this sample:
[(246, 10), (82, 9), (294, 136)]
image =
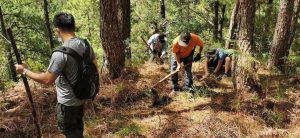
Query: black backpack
[(87, 81)]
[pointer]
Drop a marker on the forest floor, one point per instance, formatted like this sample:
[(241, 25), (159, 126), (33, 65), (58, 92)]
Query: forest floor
[(124, 108)]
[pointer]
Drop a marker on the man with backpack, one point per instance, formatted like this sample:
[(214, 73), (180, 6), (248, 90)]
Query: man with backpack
[(71, 66), (216, 58), (183, 48), (157, 47)]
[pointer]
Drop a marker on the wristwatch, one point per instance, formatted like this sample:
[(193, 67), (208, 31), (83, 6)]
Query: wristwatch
[(24, 72)]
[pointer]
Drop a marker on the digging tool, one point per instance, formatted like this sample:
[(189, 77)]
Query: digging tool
[(148, 48), (169, 75), (156, 99), (26, 85)]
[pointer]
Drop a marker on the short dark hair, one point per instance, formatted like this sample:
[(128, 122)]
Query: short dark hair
[(161, 38), (64, 21)]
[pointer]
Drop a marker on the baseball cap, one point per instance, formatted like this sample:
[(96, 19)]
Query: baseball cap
[(184, 39)]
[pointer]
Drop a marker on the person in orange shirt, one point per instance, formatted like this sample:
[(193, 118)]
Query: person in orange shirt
[(183, 48)]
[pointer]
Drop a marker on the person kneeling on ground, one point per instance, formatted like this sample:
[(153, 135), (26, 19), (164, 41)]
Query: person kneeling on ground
[(158, 47), (216, 58)]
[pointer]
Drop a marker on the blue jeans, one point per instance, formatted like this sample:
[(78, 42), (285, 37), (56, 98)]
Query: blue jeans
[(188, 78)]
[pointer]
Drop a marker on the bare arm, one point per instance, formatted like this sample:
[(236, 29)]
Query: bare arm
[(46, 78), (218, 66)]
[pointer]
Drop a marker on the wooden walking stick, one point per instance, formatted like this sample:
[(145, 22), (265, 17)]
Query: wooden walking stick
[(27, 88)]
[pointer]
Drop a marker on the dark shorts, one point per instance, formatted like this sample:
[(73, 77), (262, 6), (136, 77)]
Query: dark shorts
[(70, 120)]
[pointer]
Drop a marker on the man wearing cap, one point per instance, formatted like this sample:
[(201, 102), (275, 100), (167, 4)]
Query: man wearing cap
[(158, 46), (216, 58), (183, 48)]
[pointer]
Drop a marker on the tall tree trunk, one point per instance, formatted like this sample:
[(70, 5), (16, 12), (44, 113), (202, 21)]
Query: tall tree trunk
[(127, 27), (216, 20), (47, 23), (232, 34), (267, 27), (115, 31), (280, 44), (11, 68), (221, 22), (294, 21), (245, 78), (89, 25), (162, 9), (188, 11)]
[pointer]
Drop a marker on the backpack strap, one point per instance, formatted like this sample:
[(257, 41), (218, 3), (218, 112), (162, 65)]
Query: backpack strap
[(72, 53), (69, 51)]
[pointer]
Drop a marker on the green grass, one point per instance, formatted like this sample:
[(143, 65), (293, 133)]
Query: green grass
[(129, 130), (201, 92), (279, 94), (118, 88), (277, 117)]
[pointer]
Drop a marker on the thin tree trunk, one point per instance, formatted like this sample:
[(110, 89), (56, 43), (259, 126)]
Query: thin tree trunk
[(233, 26), (216, 20), (188, 11), (267, 27), (221, 23), (162, 9), (115, 31), (294, 21), (245, 76), (11, 68), (89, 26), (127, 27), (47, 23), (282, 36)]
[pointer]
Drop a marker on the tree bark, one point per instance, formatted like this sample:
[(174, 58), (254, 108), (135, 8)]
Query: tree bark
[(221, 22), (11, 68), (266, 46), (232, 33), (294, 21), (283, 36), (114, 33), (162, 9), (245, 76), (216, 20), (47, 24)]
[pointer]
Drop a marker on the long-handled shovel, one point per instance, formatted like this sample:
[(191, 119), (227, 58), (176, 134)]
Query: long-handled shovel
[(156, 98), (27, 88)]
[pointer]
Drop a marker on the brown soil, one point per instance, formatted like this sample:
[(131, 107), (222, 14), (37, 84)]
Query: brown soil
[(124, 108)]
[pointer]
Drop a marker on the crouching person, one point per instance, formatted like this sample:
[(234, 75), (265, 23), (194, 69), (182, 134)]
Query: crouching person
[(216, 59), (158, 46), (63, 70)]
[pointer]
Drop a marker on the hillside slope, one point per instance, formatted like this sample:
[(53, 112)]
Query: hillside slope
[(124, 108)]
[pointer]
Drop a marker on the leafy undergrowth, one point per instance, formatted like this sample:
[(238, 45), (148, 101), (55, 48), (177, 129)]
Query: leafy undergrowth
[(124, 108)]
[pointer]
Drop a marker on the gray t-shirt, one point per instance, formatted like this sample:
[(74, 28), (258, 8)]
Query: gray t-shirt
[(66, 66)]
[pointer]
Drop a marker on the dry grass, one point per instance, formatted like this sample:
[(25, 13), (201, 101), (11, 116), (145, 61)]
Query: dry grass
[(123, 108)]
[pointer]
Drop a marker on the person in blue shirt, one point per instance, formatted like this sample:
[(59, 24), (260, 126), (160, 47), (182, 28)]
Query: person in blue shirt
[(157, 47), (216, 58)]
